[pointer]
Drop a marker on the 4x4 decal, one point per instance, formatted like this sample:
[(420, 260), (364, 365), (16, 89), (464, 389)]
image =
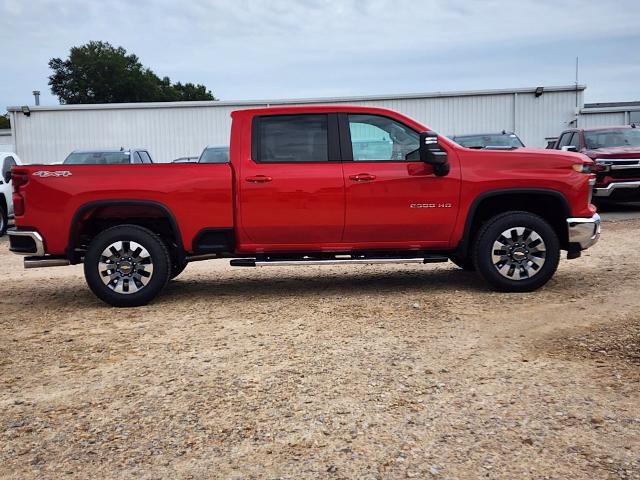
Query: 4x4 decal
[(47, 173)]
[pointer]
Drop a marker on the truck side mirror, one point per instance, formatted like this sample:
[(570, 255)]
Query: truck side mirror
[(432, 154), (569, 148)]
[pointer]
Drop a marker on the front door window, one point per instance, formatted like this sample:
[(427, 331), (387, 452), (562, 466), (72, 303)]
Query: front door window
[(376, 138)]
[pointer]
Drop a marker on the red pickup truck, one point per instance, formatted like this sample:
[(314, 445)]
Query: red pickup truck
[(310, 185)]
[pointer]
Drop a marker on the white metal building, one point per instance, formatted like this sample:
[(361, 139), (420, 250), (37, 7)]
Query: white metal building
[(6, 140), (176, 129), (604, 114)]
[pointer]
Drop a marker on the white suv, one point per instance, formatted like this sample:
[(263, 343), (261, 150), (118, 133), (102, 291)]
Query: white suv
[(7, 160)]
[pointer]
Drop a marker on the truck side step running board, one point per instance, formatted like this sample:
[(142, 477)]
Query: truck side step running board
[(252, 262), (47, 261)]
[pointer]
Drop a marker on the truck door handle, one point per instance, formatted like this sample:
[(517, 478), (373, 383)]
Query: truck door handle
[(259, 179), (362, 177)]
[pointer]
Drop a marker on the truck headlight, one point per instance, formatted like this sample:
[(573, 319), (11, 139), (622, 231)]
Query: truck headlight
[(582, 167)]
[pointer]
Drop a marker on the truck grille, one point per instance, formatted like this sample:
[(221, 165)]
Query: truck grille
[(620, 167), (625, 173)]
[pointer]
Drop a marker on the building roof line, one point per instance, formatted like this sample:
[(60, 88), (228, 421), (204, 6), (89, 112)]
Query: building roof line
[(612, 104), (258, 103), (628, 108)]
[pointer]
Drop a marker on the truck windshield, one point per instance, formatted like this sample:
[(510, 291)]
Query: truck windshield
[(98, 158), (509, 140), (628, 137)]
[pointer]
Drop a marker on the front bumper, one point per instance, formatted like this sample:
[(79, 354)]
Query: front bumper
[(610, 189), (584, 232), (26, 242)]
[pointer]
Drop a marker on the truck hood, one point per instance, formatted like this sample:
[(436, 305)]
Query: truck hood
[(527, 158), (614, 152), (545, 153)]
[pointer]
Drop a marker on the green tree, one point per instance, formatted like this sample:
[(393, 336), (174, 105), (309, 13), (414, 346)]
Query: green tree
[(4, 121), (189, 91), (100, 73)]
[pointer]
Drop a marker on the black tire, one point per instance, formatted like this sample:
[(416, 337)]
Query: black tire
[(4, 220), (465, 263), (177, 269), (153, 256), (517, 258)]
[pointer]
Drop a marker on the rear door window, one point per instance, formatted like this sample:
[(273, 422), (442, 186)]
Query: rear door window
[(292, 139)]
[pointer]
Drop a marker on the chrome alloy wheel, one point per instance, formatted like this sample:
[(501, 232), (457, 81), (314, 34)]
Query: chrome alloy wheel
[(518, 253), (125, 267)]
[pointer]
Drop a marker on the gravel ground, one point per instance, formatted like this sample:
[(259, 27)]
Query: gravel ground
[(326, 372)]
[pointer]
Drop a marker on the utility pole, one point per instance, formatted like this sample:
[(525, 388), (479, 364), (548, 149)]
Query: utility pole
[(577, 105)]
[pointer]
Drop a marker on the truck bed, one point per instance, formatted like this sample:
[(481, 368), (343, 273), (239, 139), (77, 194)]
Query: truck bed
[(196, 196)]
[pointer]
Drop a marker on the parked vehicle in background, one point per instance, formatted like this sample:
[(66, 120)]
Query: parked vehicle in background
[(551, 142), (616, 152), (7, 161), (108, 157), (491, 141), (186, 160), (214, 154), (302, 189)]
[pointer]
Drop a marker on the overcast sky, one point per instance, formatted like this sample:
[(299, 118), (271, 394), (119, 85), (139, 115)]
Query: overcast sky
[(243, 49)]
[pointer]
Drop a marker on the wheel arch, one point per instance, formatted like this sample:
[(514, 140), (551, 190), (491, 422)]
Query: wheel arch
[(92, 217), (551, 205)]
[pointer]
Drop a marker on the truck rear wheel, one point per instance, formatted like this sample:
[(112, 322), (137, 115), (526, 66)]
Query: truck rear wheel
[(127, 266), (517, 252)]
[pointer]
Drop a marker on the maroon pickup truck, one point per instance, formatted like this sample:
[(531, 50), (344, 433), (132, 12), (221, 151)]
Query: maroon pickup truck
[(616, 152)]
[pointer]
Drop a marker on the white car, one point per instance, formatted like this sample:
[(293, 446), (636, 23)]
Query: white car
[(7, 160)]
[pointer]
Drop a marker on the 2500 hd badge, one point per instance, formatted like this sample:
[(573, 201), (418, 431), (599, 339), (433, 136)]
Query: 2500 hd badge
[(431, 205)]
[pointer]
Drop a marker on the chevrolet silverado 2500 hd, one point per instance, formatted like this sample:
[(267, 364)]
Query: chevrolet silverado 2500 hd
[(310, 185)]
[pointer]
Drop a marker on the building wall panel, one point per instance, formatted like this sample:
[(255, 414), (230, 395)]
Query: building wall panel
[(6, 140), (602, 119)]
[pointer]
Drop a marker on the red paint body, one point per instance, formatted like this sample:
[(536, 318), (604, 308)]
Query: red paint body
[(304, 207)]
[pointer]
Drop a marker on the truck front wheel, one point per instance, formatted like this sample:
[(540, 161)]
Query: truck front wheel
[(127, 266), (517, 252)]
